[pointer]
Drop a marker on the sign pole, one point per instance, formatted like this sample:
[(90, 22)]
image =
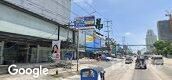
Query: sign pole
[(77, 49)]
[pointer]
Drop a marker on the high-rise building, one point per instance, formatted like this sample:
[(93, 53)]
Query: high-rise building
[(151, 38), (164, 30)]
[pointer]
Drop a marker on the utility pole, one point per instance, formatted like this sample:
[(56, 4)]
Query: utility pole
[(123, 43), (108, 32), (123, 40), (77, 50)]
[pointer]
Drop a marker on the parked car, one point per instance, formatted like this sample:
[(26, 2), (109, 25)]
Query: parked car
[(140, 63), (157, 60), (128, 60)]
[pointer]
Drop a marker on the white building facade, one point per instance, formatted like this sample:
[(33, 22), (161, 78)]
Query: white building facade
[(151, 38), (27, 28)]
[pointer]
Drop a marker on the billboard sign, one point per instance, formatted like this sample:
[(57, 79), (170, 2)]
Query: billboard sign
[(56, 51), (86, 21)]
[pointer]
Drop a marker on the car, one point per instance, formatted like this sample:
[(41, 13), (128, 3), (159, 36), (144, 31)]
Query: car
[(146, 57), (157, 60), (113, 55), (140, 63), (128, 60), (105, 57)]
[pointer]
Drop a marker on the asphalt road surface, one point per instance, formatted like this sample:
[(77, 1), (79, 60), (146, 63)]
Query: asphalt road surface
[(118, 70), (127, 72), (144, 75)]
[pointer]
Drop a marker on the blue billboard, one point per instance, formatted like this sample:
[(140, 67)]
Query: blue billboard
[(93, 43), (86, 21)]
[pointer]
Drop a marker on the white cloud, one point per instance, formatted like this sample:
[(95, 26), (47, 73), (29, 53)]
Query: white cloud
[(128, 33)]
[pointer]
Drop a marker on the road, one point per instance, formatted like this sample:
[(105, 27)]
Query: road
[(127, 72), (118, 70), (115, 70), (144, 75)]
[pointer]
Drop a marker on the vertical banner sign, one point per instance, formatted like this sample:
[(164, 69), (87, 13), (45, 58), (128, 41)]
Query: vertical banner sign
[(56, 51)]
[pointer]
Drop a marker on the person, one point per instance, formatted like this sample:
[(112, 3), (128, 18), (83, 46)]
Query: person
[(56, 53), (90, 73)]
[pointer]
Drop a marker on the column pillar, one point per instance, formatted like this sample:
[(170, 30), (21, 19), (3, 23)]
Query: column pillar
[(27, 54), (37, 53), (1, 52)]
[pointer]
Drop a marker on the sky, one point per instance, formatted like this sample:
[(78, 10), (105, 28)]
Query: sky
[(130, 18)]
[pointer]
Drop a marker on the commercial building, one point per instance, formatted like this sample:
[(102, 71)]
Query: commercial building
[(91, 42), (28, 27), (151, 38), (164, 30)]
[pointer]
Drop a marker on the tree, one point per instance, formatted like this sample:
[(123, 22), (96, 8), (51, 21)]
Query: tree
[(163, 47)]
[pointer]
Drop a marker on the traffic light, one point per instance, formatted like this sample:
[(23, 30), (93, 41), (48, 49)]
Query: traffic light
[(98, 25)]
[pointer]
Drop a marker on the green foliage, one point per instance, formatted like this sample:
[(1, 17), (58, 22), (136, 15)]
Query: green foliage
[(163, 47)]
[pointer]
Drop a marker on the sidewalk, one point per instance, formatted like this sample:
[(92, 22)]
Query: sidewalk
[(168, 61), (63, 73)]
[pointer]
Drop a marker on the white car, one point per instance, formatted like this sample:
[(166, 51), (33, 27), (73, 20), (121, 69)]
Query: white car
[(109, 58), (157, 60), (128, 60)]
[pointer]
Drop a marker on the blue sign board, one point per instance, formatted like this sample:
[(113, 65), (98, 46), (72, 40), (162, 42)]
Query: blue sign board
[(93, 44), (84, 21)]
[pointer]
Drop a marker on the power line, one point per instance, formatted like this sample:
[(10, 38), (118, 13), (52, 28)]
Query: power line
[(95, 10), (116, 32), (123, 40), (82, 8), (117, 35)]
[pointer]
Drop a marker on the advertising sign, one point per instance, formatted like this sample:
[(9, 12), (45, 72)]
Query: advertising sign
[(92, 42), (89, 42), (56, 51), (89, 38), (97, 42), (86, 21)]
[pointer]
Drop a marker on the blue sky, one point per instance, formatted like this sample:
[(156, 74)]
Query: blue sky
[(130, 18)]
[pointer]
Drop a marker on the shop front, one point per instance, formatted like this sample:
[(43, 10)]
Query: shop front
[(26, 37)]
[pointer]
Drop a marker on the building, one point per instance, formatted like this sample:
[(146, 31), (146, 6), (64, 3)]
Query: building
[(91, 42), (28, 28), (164, 30), (151, 38)]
